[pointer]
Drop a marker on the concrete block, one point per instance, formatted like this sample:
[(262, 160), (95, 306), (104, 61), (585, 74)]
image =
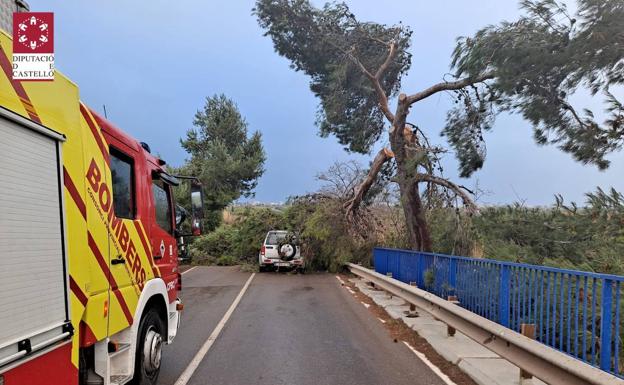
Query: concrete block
[(423, 322), (397, 311), (366, 289), (488, 371), (494, 371), (385, 300), (456, 348)]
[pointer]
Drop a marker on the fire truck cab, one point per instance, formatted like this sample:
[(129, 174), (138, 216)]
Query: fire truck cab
[(88, 241)]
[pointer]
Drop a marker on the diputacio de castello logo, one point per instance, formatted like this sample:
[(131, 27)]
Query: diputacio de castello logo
[(33, 46)]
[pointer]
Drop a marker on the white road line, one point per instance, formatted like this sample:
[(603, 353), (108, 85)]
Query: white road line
[(381, 320), (431, 366), (186, 271), (366, 305), (190, 369)]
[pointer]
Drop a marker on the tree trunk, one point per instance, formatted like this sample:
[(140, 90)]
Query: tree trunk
[(413, 210), (417, 227)]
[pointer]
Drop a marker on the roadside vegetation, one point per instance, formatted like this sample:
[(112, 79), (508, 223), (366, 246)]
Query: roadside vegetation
[(587, 236)]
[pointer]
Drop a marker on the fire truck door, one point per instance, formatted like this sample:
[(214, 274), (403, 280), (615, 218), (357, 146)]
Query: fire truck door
[(162, 226), (123, 246)]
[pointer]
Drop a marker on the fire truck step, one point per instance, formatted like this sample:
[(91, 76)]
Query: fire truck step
[(115, 380), (120, 349)]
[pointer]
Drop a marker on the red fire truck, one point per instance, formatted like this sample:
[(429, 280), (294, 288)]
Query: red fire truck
[(88, 241)]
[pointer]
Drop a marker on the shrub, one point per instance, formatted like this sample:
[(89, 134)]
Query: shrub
[(240, 239), (429, 278), (251, 227), (213, 245), (226, 260), (329, 241)]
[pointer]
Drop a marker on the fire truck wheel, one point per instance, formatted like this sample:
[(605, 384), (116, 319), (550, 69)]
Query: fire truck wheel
[(149, 350)]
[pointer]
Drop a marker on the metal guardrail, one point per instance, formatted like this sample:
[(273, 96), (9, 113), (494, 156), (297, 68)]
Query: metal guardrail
[(575, 312), (547, 364)]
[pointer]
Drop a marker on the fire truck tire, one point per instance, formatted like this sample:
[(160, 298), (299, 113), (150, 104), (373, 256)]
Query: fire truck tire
[(149, 349)]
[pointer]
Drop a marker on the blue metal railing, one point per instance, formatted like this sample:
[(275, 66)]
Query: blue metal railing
[(573, 311)]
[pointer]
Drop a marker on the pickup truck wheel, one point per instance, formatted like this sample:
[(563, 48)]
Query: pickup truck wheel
[(149, 349)]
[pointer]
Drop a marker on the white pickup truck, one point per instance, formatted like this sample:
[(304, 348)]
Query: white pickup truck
[(280, 250)]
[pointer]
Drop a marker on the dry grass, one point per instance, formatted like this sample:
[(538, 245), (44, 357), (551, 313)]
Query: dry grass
[(229, 217)]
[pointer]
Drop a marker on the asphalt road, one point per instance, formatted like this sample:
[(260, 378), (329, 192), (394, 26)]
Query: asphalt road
[(287, 329)]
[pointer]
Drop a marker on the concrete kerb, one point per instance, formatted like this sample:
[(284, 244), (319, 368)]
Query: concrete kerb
[(482, 365), (492, 371)]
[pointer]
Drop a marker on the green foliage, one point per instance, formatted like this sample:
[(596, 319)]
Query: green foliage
[(252, 227), (465, 125), (323, 42), (327, 241), (226, 260), (537, 63), (452, 233), (216, 243), (223, 157), (429, 278), (317, 219), (240, 241), (589, 238)]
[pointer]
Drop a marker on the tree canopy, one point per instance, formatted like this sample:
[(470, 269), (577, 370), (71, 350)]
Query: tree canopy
[(537, 64), (355, 68), (222, 155), (331, 46)]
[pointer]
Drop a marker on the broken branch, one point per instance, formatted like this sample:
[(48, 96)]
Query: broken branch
[(353, 204), (460, 191)]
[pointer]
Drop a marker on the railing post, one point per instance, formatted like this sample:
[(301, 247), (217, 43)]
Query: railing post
[(452, 277), (527, 330), (606, 325), (503, 296), (450, 331)]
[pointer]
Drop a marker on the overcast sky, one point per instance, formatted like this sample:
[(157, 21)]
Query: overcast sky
[(152, 65)]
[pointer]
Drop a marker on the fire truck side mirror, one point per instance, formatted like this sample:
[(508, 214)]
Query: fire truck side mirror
[(197, 207)]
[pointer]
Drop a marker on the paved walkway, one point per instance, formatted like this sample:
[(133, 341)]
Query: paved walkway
[(482, 365)]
